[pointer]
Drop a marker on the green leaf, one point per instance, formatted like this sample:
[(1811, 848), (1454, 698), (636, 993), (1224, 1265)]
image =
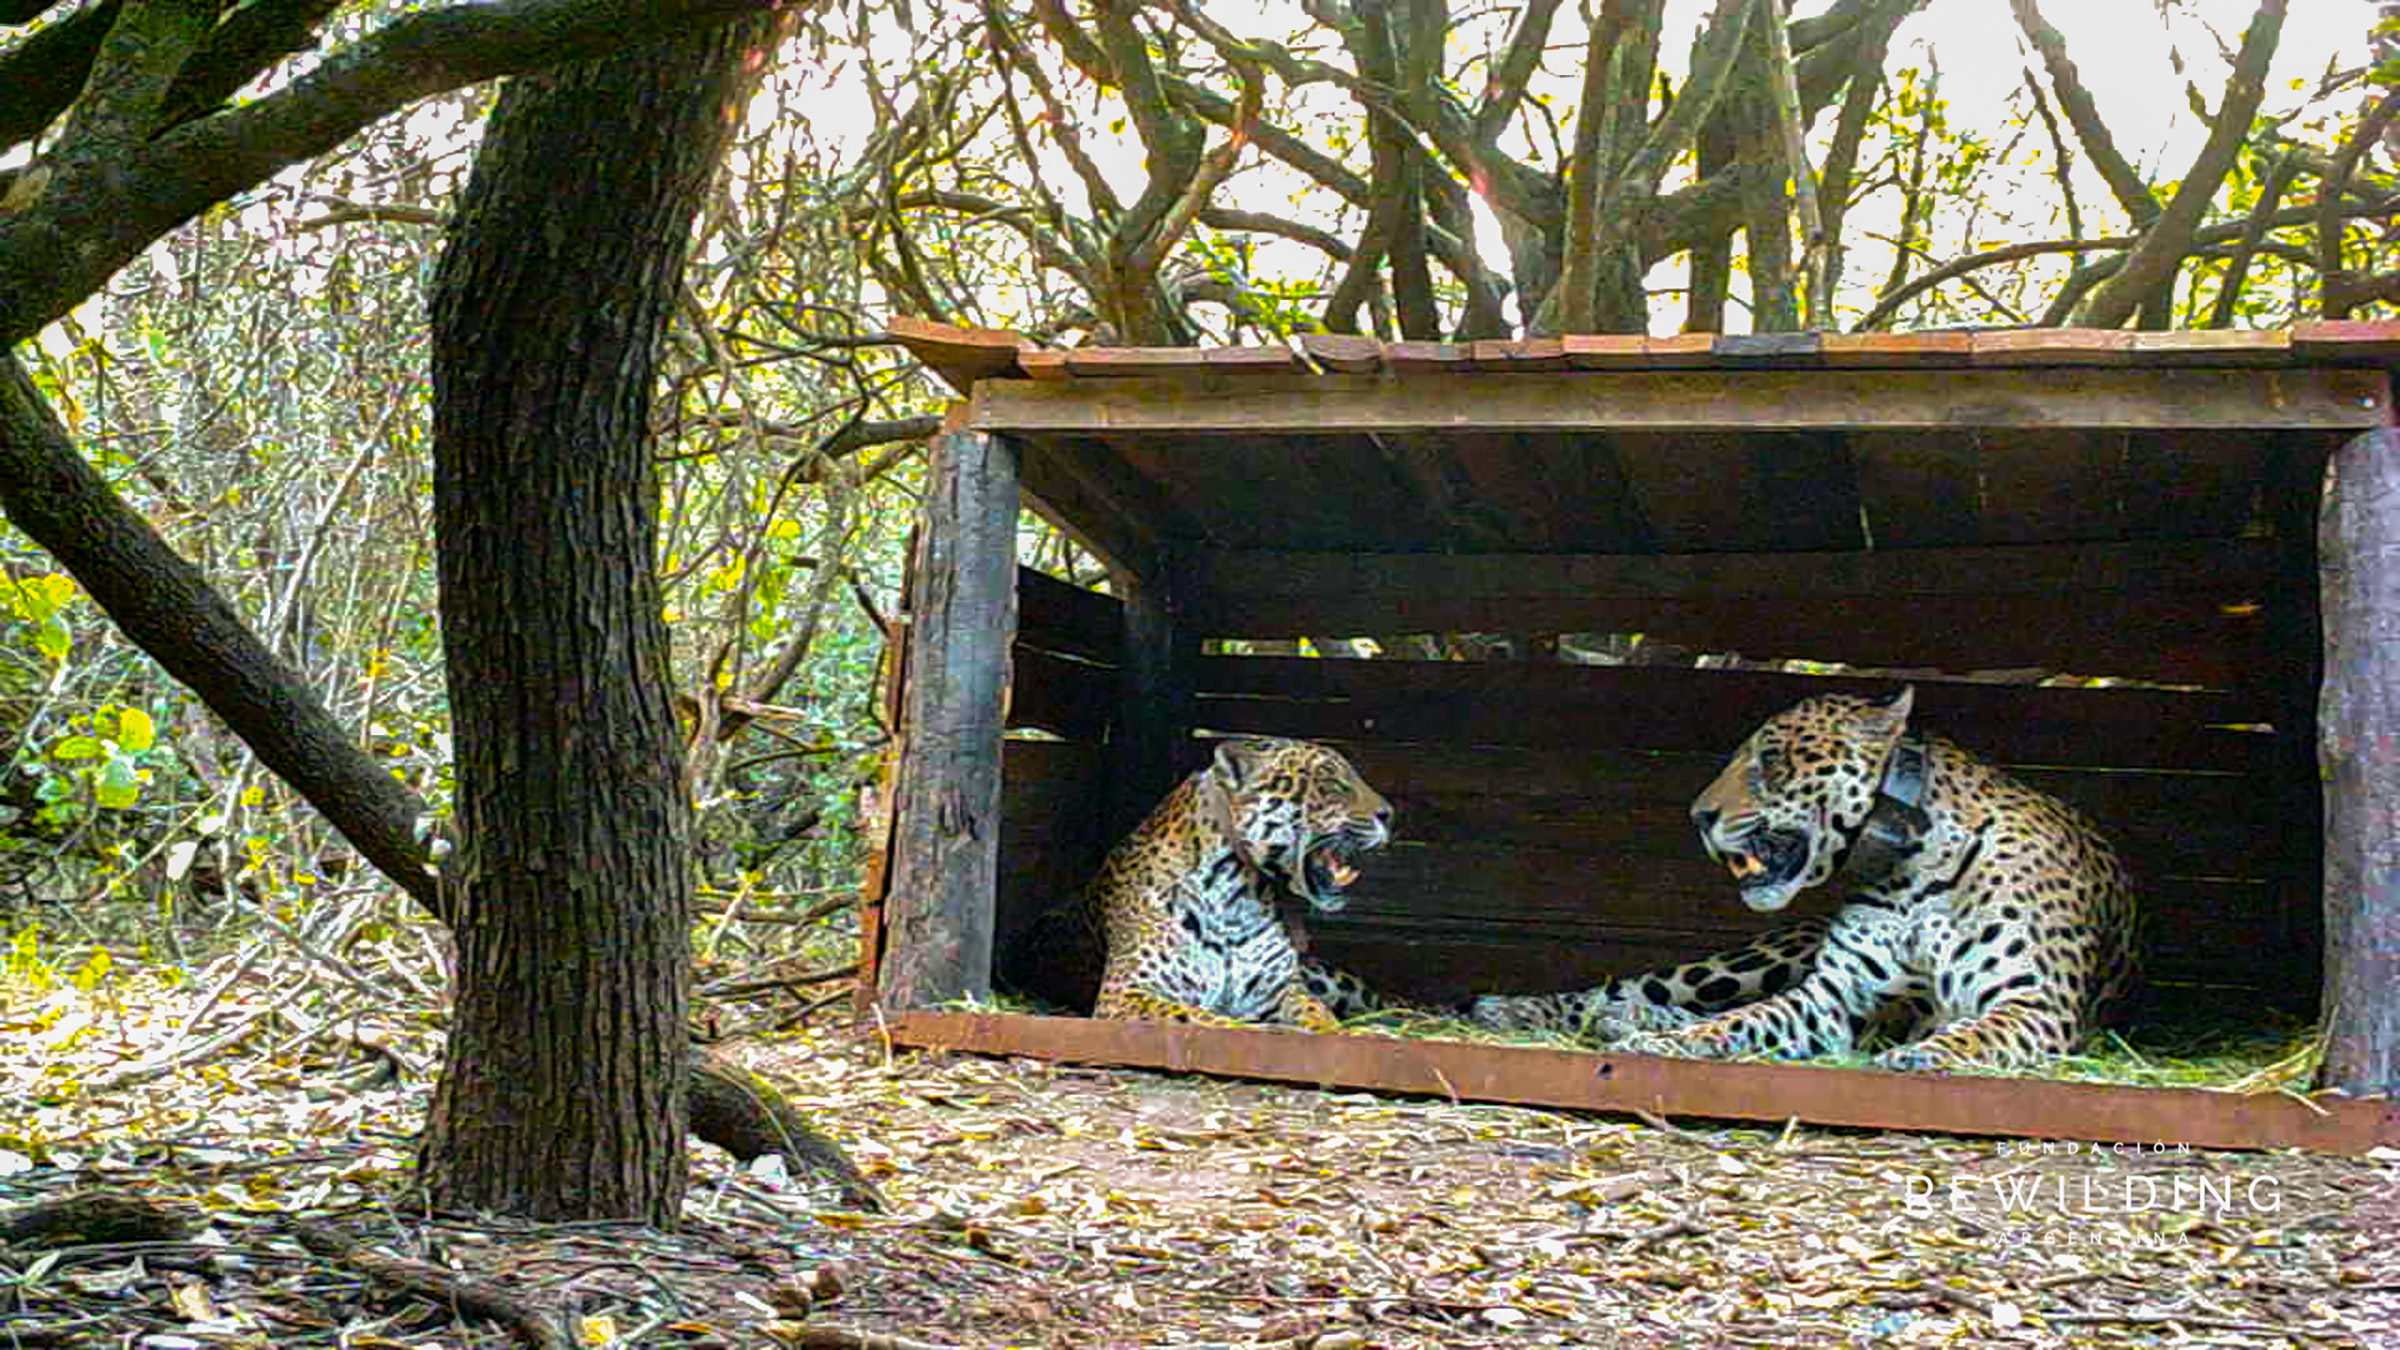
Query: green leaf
[(78, 747), (134, 732), (52, 640), (120, 784)]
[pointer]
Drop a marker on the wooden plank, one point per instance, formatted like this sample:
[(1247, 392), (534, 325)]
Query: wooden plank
[(874, 890), (1048, 364), (1959, 1104), (1058, 616), (1086, 363), (1060, 695), (1520, 355), (1680, 351), (1674, 709), (1224, 576), (1153, 695), (2347, 339), (1737, 492), (947, 805), (2053, 347), (961, 356), (1606, 351), (2198, 638), (1414, 358), (2215, 347), (1575, 401), (1349, 353), (1768, 349), (2359, 745), (1863, 351)]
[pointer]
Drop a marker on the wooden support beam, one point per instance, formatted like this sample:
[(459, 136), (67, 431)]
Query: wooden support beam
[(1154, 692), (2358, 547), (1569, 401), (1227, 575), (2177, 612), (937, 921), (1104, 506), (1954, 1103)]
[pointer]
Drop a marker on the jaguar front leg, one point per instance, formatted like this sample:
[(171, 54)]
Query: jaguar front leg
[(2022, 1032), (1306, 1011), (1143, 1005), (1818, 1016)]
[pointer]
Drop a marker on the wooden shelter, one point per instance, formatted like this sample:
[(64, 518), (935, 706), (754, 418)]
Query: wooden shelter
[(1970, 511)]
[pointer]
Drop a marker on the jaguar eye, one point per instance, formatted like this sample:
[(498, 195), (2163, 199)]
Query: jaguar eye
[(1773, 764)]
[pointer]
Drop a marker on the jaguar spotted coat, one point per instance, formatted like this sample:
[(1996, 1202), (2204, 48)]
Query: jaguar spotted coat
[(1189, 903), (1988, 925)]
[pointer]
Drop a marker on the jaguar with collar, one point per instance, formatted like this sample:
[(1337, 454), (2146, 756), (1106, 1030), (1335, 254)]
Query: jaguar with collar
[(1987, 923)]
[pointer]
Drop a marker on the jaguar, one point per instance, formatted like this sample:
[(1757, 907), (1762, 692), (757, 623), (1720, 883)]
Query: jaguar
[(1190, 906), (1987, 924)]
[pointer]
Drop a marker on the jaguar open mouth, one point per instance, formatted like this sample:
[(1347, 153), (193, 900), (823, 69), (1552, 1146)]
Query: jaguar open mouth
[(1766, 876), (1328, 871)]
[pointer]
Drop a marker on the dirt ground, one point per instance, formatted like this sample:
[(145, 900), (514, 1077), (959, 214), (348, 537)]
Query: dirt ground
[(1039, 1205)]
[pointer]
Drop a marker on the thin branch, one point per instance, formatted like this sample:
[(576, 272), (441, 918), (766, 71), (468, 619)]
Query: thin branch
[(2329, 197), (1814, 271), (2167, 239), (2061, 153), (2084, 115), (2254, 229), (113, 191)]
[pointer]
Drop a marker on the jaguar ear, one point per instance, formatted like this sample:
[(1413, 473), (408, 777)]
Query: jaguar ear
[(1218, 784)]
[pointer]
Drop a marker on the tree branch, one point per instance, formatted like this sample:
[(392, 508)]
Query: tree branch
[(2329, 197), (2084, 115), (2208, 238), (167, 607), (106, 200), (2168, 238), (45, 72)]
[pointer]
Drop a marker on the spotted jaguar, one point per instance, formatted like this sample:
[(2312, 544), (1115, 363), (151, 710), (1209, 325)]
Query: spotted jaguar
[(1189, 905), (1987, 924)]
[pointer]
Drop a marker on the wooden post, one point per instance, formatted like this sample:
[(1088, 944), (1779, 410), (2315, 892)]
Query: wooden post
[(2358, 548), (1154, 696), (938, 917)]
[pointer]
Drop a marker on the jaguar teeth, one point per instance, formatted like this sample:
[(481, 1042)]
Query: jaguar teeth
[(1744, 867), (1342, 873)]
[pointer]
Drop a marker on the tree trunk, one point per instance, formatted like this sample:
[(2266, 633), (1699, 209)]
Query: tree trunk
[(564, 1095)]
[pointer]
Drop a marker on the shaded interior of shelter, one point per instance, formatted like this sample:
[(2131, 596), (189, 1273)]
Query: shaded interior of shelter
[(1544, 841)]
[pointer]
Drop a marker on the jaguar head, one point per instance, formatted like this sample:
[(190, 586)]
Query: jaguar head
[(1296, 813), (1785, 810)]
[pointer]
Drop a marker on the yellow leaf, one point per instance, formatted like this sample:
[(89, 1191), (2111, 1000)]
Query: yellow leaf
[(134, 732)]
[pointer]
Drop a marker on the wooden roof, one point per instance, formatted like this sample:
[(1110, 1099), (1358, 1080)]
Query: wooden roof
[(966, 356), (1589, 471)]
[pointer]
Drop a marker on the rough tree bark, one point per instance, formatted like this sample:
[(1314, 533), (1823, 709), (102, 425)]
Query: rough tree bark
[(962, 618), (2358, 734), (106, 206), (564, 1094)]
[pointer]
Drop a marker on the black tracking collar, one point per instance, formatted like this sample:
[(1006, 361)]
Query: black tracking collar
[(1898, 823)]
